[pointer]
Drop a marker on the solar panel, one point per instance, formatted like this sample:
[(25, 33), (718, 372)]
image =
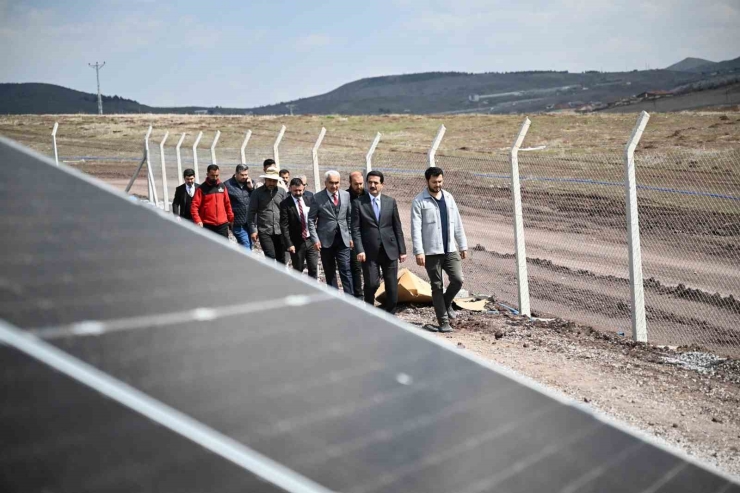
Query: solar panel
[(145, 355)]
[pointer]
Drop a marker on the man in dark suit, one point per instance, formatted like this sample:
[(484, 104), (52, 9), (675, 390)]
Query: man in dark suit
[(378, 239), (329, 226), (294, 226), (184, 195), (356, 190)]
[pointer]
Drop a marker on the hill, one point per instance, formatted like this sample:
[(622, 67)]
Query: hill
[(423, 93), (688, 64)]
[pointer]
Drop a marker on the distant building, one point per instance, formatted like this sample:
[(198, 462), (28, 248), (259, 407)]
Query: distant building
[(201, 112)]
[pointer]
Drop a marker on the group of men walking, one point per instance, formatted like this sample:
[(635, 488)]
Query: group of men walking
[(357, 232)]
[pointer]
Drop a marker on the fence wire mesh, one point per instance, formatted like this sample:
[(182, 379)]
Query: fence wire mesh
[(574, 217)]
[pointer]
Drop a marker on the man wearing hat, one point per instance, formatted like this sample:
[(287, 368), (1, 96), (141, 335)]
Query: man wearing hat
[(264, 215), (270, 163)]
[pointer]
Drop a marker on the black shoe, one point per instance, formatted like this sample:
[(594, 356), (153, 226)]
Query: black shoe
[(431, 328), (446, 328), (451, 313)]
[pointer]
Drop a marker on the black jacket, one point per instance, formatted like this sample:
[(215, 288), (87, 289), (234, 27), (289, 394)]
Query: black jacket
[(181, 202), (290, 220), (369, 234), (239, 196), (264, 210)]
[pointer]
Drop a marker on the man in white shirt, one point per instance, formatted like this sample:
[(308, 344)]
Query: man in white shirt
[(294, 212), (184, 195)]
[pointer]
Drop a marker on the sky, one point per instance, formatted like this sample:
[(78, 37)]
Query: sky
[(237, 53)]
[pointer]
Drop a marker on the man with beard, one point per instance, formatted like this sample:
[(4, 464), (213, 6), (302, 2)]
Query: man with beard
[(211, 207), (239, 187), (437, 234), (263, 215), (184, 195), (356, 190), (294, 212)]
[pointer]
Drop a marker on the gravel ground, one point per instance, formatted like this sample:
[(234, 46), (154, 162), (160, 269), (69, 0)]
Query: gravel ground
[(684, 396)]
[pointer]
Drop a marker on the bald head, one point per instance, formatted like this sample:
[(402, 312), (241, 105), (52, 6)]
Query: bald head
[(356, 182)]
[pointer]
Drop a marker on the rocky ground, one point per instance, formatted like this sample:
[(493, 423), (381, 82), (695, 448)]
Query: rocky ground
[(684, 396)]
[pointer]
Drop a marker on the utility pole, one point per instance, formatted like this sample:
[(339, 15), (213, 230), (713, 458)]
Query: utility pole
[(291, 107), (97, 68)]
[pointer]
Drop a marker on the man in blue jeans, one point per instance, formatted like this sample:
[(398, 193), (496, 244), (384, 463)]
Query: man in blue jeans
[(240, 188)]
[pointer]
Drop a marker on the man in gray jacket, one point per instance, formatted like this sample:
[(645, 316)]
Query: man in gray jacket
[(329, 224), (439, 244), (264, 216)]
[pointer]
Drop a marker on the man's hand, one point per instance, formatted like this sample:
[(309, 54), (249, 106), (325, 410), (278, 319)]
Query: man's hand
[(421, 260), (254, 237), (351, 245), (361, 257), (402, 258), (317, 246), (200, 224), (463, 254), (231, 225), (291, 249)]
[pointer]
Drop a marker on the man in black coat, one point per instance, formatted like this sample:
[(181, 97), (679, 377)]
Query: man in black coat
[(356, 190), (378, 239), (240, 189), (294, 226), (184, 195)]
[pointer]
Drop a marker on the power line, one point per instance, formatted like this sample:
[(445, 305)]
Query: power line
[(97, 68)]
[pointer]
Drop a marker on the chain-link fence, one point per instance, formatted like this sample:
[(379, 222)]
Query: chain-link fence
[(573, 207)]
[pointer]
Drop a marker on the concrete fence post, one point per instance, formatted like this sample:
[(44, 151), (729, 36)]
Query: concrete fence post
[(195, 156), (244, 146), (315, 160), (369, 155), (522, 278), (149, 175), (637, 293), (276, 145), (165, 192), (179, 159), (213, 147), (54, 142), (435, 145)]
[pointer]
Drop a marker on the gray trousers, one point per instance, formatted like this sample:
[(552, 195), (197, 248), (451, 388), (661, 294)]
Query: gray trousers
[(452, 265)]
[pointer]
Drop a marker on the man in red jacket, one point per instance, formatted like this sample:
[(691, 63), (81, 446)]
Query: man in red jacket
[(211, 207)]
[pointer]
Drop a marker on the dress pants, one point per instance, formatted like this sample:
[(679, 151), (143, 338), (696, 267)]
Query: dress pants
[(452, 265), (272, 245), (337, 256), (221, 229), (306, 255), (357, 270), (371, 270)]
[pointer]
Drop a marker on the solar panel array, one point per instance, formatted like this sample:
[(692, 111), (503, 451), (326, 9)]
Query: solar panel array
[(138, 354)]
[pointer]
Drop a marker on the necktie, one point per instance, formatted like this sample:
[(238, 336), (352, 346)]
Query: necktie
[(376, 208), (336, 200), (304, 232)]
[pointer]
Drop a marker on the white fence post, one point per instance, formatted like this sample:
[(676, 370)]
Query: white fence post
[(213, 147), (519, 244), (179, 159), (639, 325), (435, 145), (149, 174), (315, 159), (369, 155), (195, 156), (275, 153), (54, 141), (244, 146), (165, 192)]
